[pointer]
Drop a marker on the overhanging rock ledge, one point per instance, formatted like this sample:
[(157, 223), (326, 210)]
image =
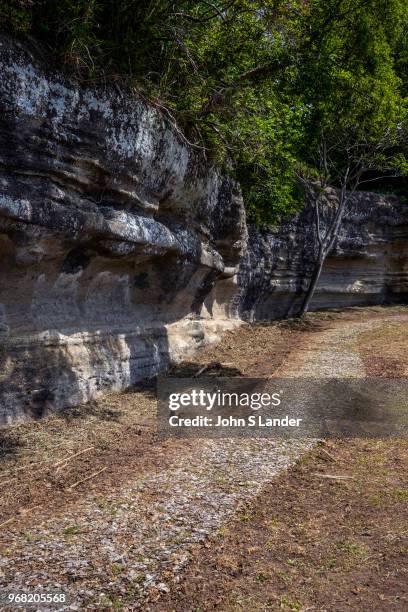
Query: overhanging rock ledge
[(121, 249)]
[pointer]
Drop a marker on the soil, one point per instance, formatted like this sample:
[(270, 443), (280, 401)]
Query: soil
[(329, 534), (311, 541), (87, 484), (41, 460)]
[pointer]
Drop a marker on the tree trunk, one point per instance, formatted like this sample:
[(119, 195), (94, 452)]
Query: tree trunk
[(326, 243), (313, 283)]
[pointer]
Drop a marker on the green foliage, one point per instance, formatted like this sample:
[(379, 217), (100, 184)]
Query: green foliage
[(355, 95), (255, 84), (15, 15)]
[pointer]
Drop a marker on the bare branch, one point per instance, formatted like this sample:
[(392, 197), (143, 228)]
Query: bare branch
[(380, 178)]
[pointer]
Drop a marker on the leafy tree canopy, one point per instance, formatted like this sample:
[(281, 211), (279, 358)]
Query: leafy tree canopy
[(257, 85)]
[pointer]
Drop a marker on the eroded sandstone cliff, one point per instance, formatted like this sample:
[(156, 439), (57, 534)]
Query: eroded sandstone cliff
[(121, 249)]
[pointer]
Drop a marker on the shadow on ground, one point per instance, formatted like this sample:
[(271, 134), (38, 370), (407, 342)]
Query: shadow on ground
[(184, 369), (190, 369), (92, 409), (10, 445)]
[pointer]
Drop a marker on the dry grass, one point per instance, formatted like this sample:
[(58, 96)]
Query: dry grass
[(308, 543), (384, 353), (41, 460)]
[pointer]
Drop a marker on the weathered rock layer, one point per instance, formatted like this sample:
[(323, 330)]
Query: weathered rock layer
[(368, 265), (120, 248)]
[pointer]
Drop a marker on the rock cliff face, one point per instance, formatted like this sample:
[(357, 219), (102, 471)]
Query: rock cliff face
[(368, 265), (121, 249), (112, 232)]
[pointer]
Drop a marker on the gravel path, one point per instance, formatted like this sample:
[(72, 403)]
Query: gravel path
[(123, 552), (129, 548), (330, 354)]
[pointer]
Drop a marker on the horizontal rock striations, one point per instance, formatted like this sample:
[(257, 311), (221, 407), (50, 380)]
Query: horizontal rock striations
[(112, 232), (121, 248), (368, 264)]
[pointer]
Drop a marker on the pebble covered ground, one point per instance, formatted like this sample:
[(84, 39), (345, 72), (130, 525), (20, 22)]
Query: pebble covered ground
[(128, 549), (124, 550)]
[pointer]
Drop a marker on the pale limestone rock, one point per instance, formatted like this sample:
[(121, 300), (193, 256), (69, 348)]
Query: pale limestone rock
[(121, 249)]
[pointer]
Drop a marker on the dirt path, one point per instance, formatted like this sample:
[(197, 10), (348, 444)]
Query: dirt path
[(97, 505)]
